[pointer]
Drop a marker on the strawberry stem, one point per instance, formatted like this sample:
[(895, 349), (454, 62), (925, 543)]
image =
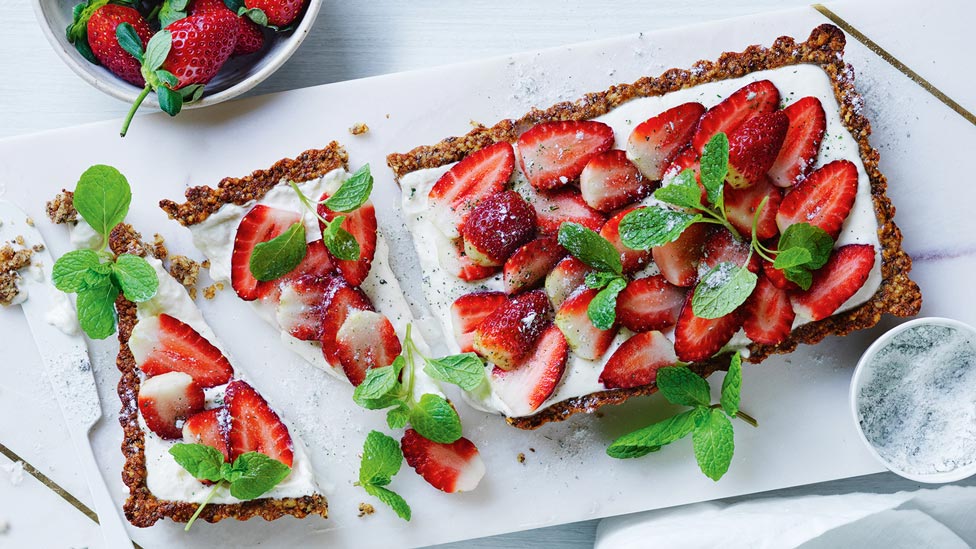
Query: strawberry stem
[(135, 107)]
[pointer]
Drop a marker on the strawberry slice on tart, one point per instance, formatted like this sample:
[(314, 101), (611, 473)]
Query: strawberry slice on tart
[(824, 199), (451, 468), (210, 428), (525, 388), (697, 339), (508, 334), (469, 310), (565, 278), (679, 260), (254, 426), (366, 340), (655, 143), (361, 224), (553, 154), (741, 206), (302, 306), (342, 300), (585, 339), (722, 247), (650, 303), (531, 263), (747, 102), (554, 208), (833, 284), (167, 400), (636, 362), (497, 226), (753, 148), (458, 191), (610, 181), (632, 260), (163, 344), (808, 122), (260, 224), (767, 316)]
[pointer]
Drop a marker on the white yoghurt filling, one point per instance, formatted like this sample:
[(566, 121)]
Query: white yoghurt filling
[(582, 376)]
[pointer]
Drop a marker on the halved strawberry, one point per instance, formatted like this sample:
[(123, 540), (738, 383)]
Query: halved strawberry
[(254, 426), (496, 227), (753, 147), (454, 467), (583, 337), (650, 303), (610, 181), (317, 263), (554, 208), (366, 340), (686, 159), (807, 125), (678, 260), (165, 344), (747, 102), (637, 360), (478, 175), (767, 316), (302, 305), (167, 400), (533, 381), (361, 224), (655, 142), (741, 206), (722, 247), (632, 260), (344, 299), (260, 224), (823, 199), (210, 428), (836, 282), (697, 339), (566, 277), (553, 154), (530, 264), (508, 334), (468, 311), (454, 261)]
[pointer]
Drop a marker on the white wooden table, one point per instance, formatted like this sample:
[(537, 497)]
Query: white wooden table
[(359, 39)]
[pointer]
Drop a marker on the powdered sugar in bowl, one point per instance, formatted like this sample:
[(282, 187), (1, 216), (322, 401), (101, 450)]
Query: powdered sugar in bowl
[(913, 396)]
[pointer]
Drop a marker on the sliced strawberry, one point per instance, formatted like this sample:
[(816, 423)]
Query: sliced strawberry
[(468, 311), (823, 199), (631, 260), (566, 277), (210, 428), (317, 263), (650, 303), (497, 226), (526, 387), (767, 316), (165, 344), (167, 400), (741, 206), (697, 339), (637, 360), (478, 175), (776, 276), (554, 208), (655, 142), (678, 260), (460, 265), (454, 467), (553, 154), (686, 159), (799, 152), (254, 426), (344, 299), (260, 224), (722, 247), (610, 181), (753, 147), (530, 264), (511, 330), (361, 224), (584, 338), (836, 282), (302, 305), (366, 340), (745, 103)]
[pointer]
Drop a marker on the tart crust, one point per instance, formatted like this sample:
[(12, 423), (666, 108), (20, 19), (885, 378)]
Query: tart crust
[(142, 508), (897, 295)]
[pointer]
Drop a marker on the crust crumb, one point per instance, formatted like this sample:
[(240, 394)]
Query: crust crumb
[(20, 240), (159, 250), (366, 509), (11, 261), (132, 240), (29, 221), (359, 128), (184, 270), (521, 457), (205, 264), (210, 291), (61, 208), (193, 293)]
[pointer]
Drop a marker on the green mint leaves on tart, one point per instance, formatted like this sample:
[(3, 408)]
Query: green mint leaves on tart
[(381, 461), (353, 193), (277, 257), (102, 198), (708, 424), (597, 252), (339, 241), (465, 370)]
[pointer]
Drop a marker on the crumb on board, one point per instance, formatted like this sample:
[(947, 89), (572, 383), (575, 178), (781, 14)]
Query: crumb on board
[(29, 221), (184, 270), (159, 250), (388, 116), (532, 450), (193, 292), (366, 509), (220, 286), (20, 241), (11, 261), (205, 264), (521, 457), (211, 291), (38, 247), (61, 208), (359, 128)]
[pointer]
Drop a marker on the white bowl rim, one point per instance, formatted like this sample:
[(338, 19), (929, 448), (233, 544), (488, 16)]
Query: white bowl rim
[(859, 373)]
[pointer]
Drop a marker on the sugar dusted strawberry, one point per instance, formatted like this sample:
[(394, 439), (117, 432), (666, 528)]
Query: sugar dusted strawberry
[(210, 428), (254, 426), (497, 226), (104, 43), (697, 339), (563, 206), (366, 340), (260, 224), (316, 263), (767, 316), (278, 13), (632, 260), (167, 400), (460, 265), (530, 264), (722, 247), (584, 338), (655, 142), (553, 154), (454, 467), (753, 148), (678, 260), (457, 192), (361, 224), (566, 277), (534, 380), (636, 362), (741, 206), (302, 306), (650, 303), (799, 151), (165, 344), (836, 282), (747, 102), (343, 299), (824, 199), (686, 159), (468, 311), (511, 330), (610, 181)]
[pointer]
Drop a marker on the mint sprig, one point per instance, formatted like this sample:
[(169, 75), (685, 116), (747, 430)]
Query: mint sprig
[(353, 193), (381, 461), (597, 252), (279, 256)]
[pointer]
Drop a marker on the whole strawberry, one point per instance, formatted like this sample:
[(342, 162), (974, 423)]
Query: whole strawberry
[(93, 32), (250, 37), (277, 14)]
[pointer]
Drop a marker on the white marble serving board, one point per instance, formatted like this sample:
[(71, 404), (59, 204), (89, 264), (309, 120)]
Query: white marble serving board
[(806, 434)]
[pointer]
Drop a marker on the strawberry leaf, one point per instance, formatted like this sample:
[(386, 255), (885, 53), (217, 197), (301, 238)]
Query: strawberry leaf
[(158, 49), (170, 102), (234, 5), (129, 40), (254, 14), (191, 93), (169, 79), (169, 13)]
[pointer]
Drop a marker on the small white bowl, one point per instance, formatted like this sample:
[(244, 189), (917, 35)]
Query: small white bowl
[(862, 374), (237, 76)]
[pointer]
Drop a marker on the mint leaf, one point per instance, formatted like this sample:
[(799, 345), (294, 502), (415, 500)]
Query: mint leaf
[(255, 475), (397, 418), (654, 436), (792, 257), (339, 241), (722, 290), (391, 498), (683, 191), (353, 192), (70, 270), (731, 386), (589, 247), (129, 40), (96, 309), (602, 309), (435, 419), (102, 197), (599, 279), (810, 237), (681, 386), (136, 276), (157, 49), (714, 444), (279, 256), (202, 461), (378, 403), (381, 460), (645, 228), (467, 371), (378, 383), (715, 166)]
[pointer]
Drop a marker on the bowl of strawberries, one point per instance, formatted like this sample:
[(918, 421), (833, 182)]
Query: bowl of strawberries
[(175, 54)]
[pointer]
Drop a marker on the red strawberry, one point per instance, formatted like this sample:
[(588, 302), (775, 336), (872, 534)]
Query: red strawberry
[(302, 306), (279, 13), (468, 311), (823, 199), (167, 400), (164, 344), (741, 206), (767, 315), (553, 154), (510, 331), (457, 192), (316, 263), (361, 224), (807, 125), (744, 104), (454, 467), (637, 360), (697, 339), (679, 260), (836, 282), (686, 159), (552, 209), (461, 266), (250, 37), (254, 426), (497, 226), (650, 303), (366, 340), (566, 277), (526, 387), (344, 300), (753, 147), (776, 276), (632, 260), (655, 142), (610, 181), (211, 428), (583, 337), (530, 264), (105, 44), (260, 224), (722, 247)]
